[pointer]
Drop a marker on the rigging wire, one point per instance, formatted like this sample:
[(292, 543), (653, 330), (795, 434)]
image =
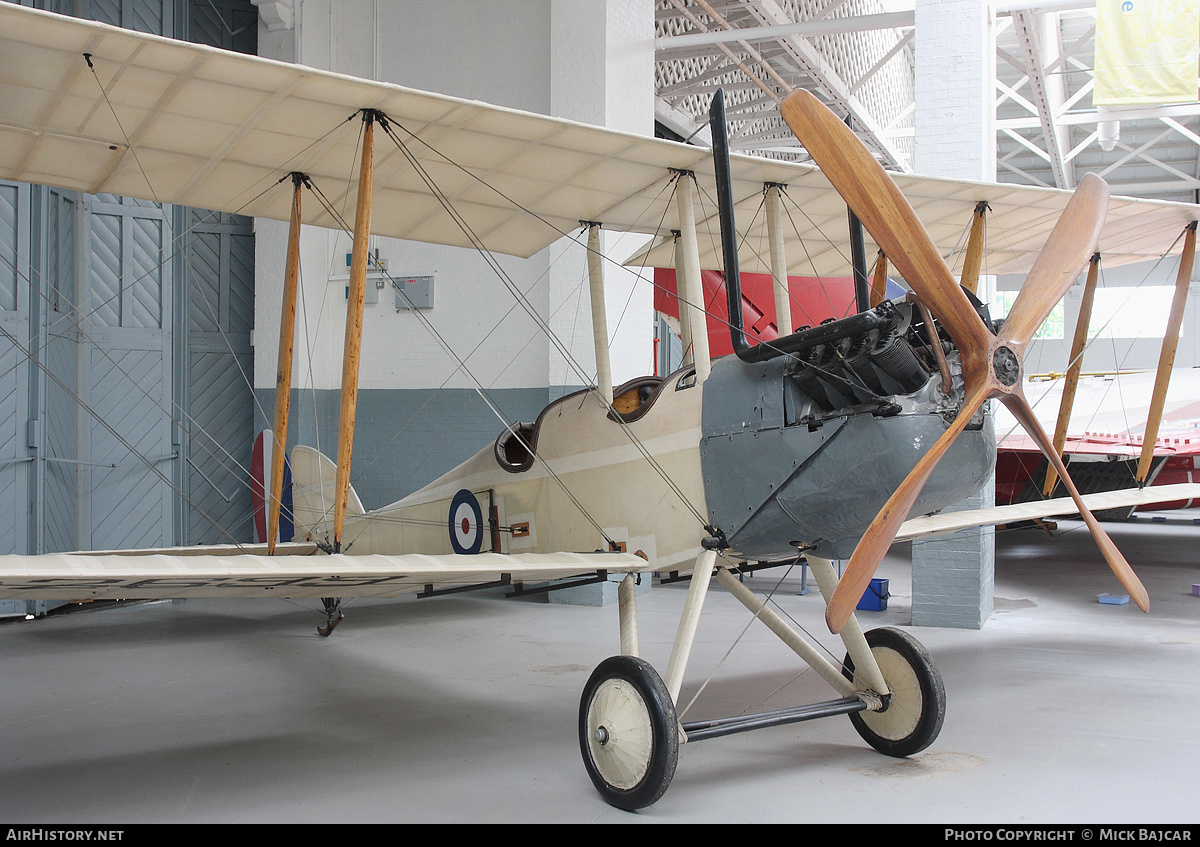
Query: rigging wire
[(445, 431), (169, 406), (242, 474), (812, 262), (557, 343), (484, 394), (148, 462), (768, 598), (482, 182), (178, 240), (1095, 336)]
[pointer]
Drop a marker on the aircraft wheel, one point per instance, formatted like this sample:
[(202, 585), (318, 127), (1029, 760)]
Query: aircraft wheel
[(913, 713), (628, 732)]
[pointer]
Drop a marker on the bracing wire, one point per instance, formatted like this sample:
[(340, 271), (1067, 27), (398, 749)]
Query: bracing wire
[(528, 307)]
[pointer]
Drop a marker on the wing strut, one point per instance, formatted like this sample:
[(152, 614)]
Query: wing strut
[(879, 280), (973, 261), (283, 375), (779, 267), (692, 318), (354, 323), (1166, 357), (599, 314), (1067, 403)]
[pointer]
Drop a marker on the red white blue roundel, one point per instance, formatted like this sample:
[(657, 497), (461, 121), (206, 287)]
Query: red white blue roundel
[(466, 523)]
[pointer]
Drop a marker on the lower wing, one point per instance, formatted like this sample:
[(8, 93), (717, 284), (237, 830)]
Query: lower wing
[(200, 572), (948, 522)]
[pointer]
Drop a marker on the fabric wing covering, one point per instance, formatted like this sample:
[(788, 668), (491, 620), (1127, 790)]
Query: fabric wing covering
[(182, 123)]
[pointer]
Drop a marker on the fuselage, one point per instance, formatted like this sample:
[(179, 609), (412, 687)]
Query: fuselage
[(759, 455)]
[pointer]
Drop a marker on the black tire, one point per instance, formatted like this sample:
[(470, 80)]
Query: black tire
[(913, 713), (628, 732)]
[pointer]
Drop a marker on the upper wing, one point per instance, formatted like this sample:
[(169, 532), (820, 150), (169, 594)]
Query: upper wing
[(176, 122), (948, 522), (182, 123), (1019, 221), (158, 574)]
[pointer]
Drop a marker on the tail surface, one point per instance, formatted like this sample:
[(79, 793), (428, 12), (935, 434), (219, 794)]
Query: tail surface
[(313, 485), (260, 484)]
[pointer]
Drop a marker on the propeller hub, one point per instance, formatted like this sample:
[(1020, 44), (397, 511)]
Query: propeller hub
[(1006, 365)]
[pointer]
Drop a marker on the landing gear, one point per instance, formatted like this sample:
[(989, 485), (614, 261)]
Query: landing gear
[(913, 713), (628, 732)]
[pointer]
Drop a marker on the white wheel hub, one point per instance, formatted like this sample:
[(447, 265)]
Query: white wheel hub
[(619, 732), (904, 708)]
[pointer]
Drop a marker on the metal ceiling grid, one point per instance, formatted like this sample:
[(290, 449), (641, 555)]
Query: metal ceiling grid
[(858, 56)]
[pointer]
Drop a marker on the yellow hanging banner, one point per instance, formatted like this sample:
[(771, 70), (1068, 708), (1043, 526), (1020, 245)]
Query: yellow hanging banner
[(1146, 52)]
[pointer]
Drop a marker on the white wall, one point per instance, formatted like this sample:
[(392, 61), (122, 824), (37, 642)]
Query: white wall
[(579, 59)]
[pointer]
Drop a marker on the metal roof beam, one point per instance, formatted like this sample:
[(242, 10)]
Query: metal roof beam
[(905, 40), (803, 29), (827, 80), (1091, 116), (1032, 35)]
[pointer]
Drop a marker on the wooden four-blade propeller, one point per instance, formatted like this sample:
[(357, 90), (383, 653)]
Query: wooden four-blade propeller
[(991, 364)]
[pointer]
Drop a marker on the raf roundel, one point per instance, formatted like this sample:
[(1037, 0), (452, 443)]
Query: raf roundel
[(466, 523)]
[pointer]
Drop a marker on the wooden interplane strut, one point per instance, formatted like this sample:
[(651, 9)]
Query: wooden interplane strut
[(1166, 357), (973, 260), (879, 280), (1067, 404), (283, 374), (352, 349)]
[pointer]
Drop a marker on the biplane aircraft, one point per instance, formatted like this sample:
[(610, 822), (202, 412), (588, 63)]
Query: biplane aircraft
[(819, 443)]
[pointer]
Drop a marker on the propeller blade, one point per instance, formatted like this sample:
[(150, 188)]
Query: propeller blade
[(1058, 265), (991, 365), (886, 213), (879, 535), (1019, 406)]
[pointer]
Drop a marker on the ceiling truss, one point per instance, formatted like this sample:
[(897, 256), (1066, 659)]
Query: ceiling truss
[(857, 56)]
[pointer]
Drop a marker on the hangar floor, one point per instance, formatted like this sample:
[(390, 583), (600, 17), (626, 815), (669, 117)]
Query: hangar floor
[(463, 709)]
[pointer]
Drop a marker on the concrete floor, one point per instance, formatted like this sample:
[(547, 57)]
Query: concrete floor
[(463, 709)]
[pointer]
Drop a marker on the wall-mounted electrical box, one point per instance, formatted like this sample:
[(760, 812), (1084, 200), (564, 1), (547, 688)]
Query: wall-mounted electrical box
[(377, 277), (370, 292), (417, 288), (374, 263), (417, 292)]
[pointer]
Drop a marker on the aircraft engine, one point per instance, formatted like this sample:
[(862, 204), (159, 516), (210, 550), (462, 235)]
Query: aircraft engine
[(777, 475)]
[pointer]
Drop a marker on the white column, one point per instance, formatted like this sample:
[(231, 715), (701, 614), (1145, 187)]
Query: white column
[(955, 84), (956, 137)]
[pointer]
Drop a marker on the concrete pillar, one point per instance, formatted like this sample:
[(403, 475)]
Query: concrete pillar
[(952, 579)]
